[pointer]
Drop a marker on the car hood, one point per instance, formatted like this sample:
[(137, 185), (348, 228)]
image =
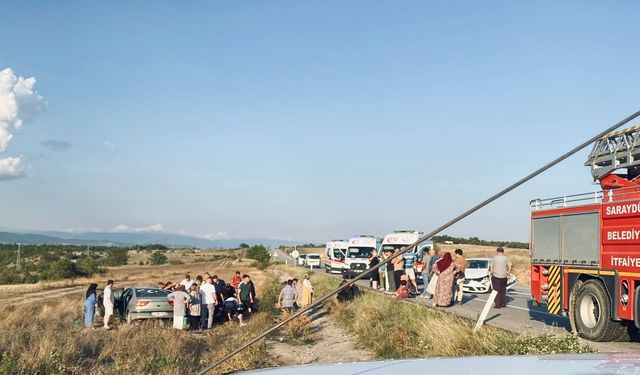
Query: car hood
[(476, 273), (622, 363)]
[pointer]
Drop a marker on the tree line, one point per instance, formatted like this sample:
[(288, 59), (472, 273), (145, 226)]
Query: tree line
[(477, 241)]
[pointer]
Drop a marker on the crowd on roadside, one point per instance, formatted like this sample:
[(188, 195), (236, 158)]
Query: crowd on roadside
[(202, 301), (443, 275), (208, 299)]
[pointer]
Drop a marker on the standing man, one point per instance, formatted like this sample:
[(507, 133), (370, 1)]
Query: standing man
[(220, 285), (180, 301), (247, 293), (458, 278), (409, 267), (209, 301), (108, 301), (287, 297), (500, 269), (236, 280), (390, 279), (398, 268)]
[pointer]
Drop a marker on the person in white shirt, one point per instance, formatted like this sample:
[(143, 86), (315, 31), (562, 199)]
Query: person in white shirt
[(209, 302), (186, 283), (108, 301)]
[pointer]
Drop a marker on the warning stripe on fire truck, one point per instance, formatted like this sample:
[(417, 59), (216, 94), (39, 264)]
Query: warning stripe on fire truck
[(554, 303)]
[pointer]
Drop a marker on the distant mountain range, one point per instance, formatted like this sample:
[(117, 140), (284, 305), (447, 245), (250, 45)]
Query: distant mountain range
[(130, 239)]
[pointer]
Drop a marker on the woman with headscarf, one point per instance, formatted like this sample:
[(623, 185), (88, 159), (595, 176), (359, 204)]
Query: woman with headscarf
[(444, 286), (375, 275), (307, 291), (90, 300)]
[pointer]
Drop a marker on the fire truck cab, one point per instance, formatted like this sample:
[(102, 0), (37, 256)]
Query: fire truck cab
[(585, 248), (334, 256)]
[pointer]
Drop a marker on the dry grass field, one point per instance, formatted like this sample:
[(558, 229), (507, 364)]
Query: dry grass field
[(195, 262), (45, 334)]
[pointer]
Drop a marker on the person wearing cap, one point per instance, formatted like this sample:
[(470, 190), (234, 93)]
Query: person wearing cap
[(499, 270)]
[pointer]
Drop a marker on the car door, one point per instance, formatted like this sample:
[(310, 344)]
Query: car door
[(124, 301)]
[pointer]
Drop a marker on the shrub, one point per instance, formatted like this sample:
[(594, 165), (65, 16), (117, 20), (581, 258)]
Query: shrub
[(259, 253), (175, 262), (157, 258)]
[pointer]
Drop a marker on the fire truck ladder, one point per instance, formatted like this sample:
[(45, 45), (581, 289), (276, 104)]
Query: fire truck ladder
[(615, 151)]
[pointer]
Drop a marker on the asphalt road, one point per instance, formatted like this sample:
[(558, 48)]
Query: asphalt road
[(521, 314)]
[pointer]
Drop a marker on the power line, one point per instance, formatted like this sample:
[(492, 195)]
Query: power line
[(426, 237)]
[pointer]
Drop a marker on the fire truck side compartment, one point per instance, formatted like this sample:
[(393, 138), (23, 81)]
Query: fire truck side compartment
[(572, 239)]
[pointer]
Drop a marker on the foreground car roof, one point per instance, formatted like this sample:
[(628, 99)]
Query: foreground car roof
[(581, 364)]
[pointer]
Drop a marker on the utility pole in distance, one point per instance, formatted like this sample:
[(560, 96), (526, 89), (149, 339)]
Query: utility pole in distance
[(18, 258)]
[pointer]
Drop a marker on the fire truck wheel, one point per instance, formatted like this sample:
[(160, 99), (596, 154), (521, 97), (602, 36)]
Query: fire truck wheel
[(572, 305), (593, 311)]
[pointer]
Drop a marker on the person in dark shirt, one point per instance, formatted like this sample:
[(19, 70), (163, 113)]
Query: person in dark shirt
[(219, 284), (247, 293)]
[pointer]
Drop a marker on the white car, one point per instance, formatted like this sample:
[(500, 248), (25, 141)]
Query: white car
[(476, 276), (313, 260), (301, 259)]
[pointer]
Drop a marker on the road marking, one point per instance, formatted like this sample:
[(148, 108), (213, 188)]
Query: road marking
[(521, 308)]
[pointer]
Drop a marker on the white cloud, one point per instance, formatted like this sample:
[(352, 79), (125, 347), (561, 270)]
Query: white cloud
[(122, 228), (11, 168), (19, 104), (215, 236)]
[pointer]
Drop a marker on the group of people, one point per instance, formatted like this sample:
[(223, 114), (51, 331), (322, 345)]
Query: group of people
[(199, 301), (292, 296), (443, 276)]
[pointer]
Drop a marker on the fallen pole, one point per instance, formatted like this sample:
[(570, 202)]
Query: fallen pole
[(485, 311)]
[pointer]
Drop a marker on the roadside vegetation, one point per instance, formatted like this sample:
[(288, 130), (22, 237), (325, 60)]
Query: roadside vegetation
[(54, 262), (393, 329)]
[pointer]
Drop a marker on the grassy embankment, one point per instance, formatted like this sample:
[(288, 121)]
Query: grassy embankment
[(47, 336), (394, 329)]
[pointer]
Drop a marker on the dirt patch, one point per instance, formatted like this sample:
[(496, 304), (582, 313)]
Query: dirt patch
[(331, 344)]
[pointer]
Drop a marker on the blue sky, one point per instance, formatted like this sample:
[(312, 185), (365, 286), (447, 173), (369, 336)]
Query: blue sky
[(309, 120)]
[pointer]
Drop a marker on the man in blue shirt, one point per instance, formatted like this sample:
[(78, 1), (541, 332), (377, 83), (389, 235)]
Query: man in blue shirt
[(409, 267)]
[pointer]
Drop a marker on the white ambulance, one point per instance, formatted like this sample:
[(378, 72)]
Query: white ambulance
[(357, 256), (334, 256), (401, 238)]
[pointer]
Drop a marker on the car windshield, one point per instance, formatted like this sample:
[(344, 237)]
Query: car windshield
[(151, 292), (477, 264), (359, 252)]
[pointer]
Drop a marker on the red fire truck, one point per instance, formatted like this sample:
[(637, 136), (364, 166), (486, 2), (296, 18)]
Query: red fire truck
[(585, 248)]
